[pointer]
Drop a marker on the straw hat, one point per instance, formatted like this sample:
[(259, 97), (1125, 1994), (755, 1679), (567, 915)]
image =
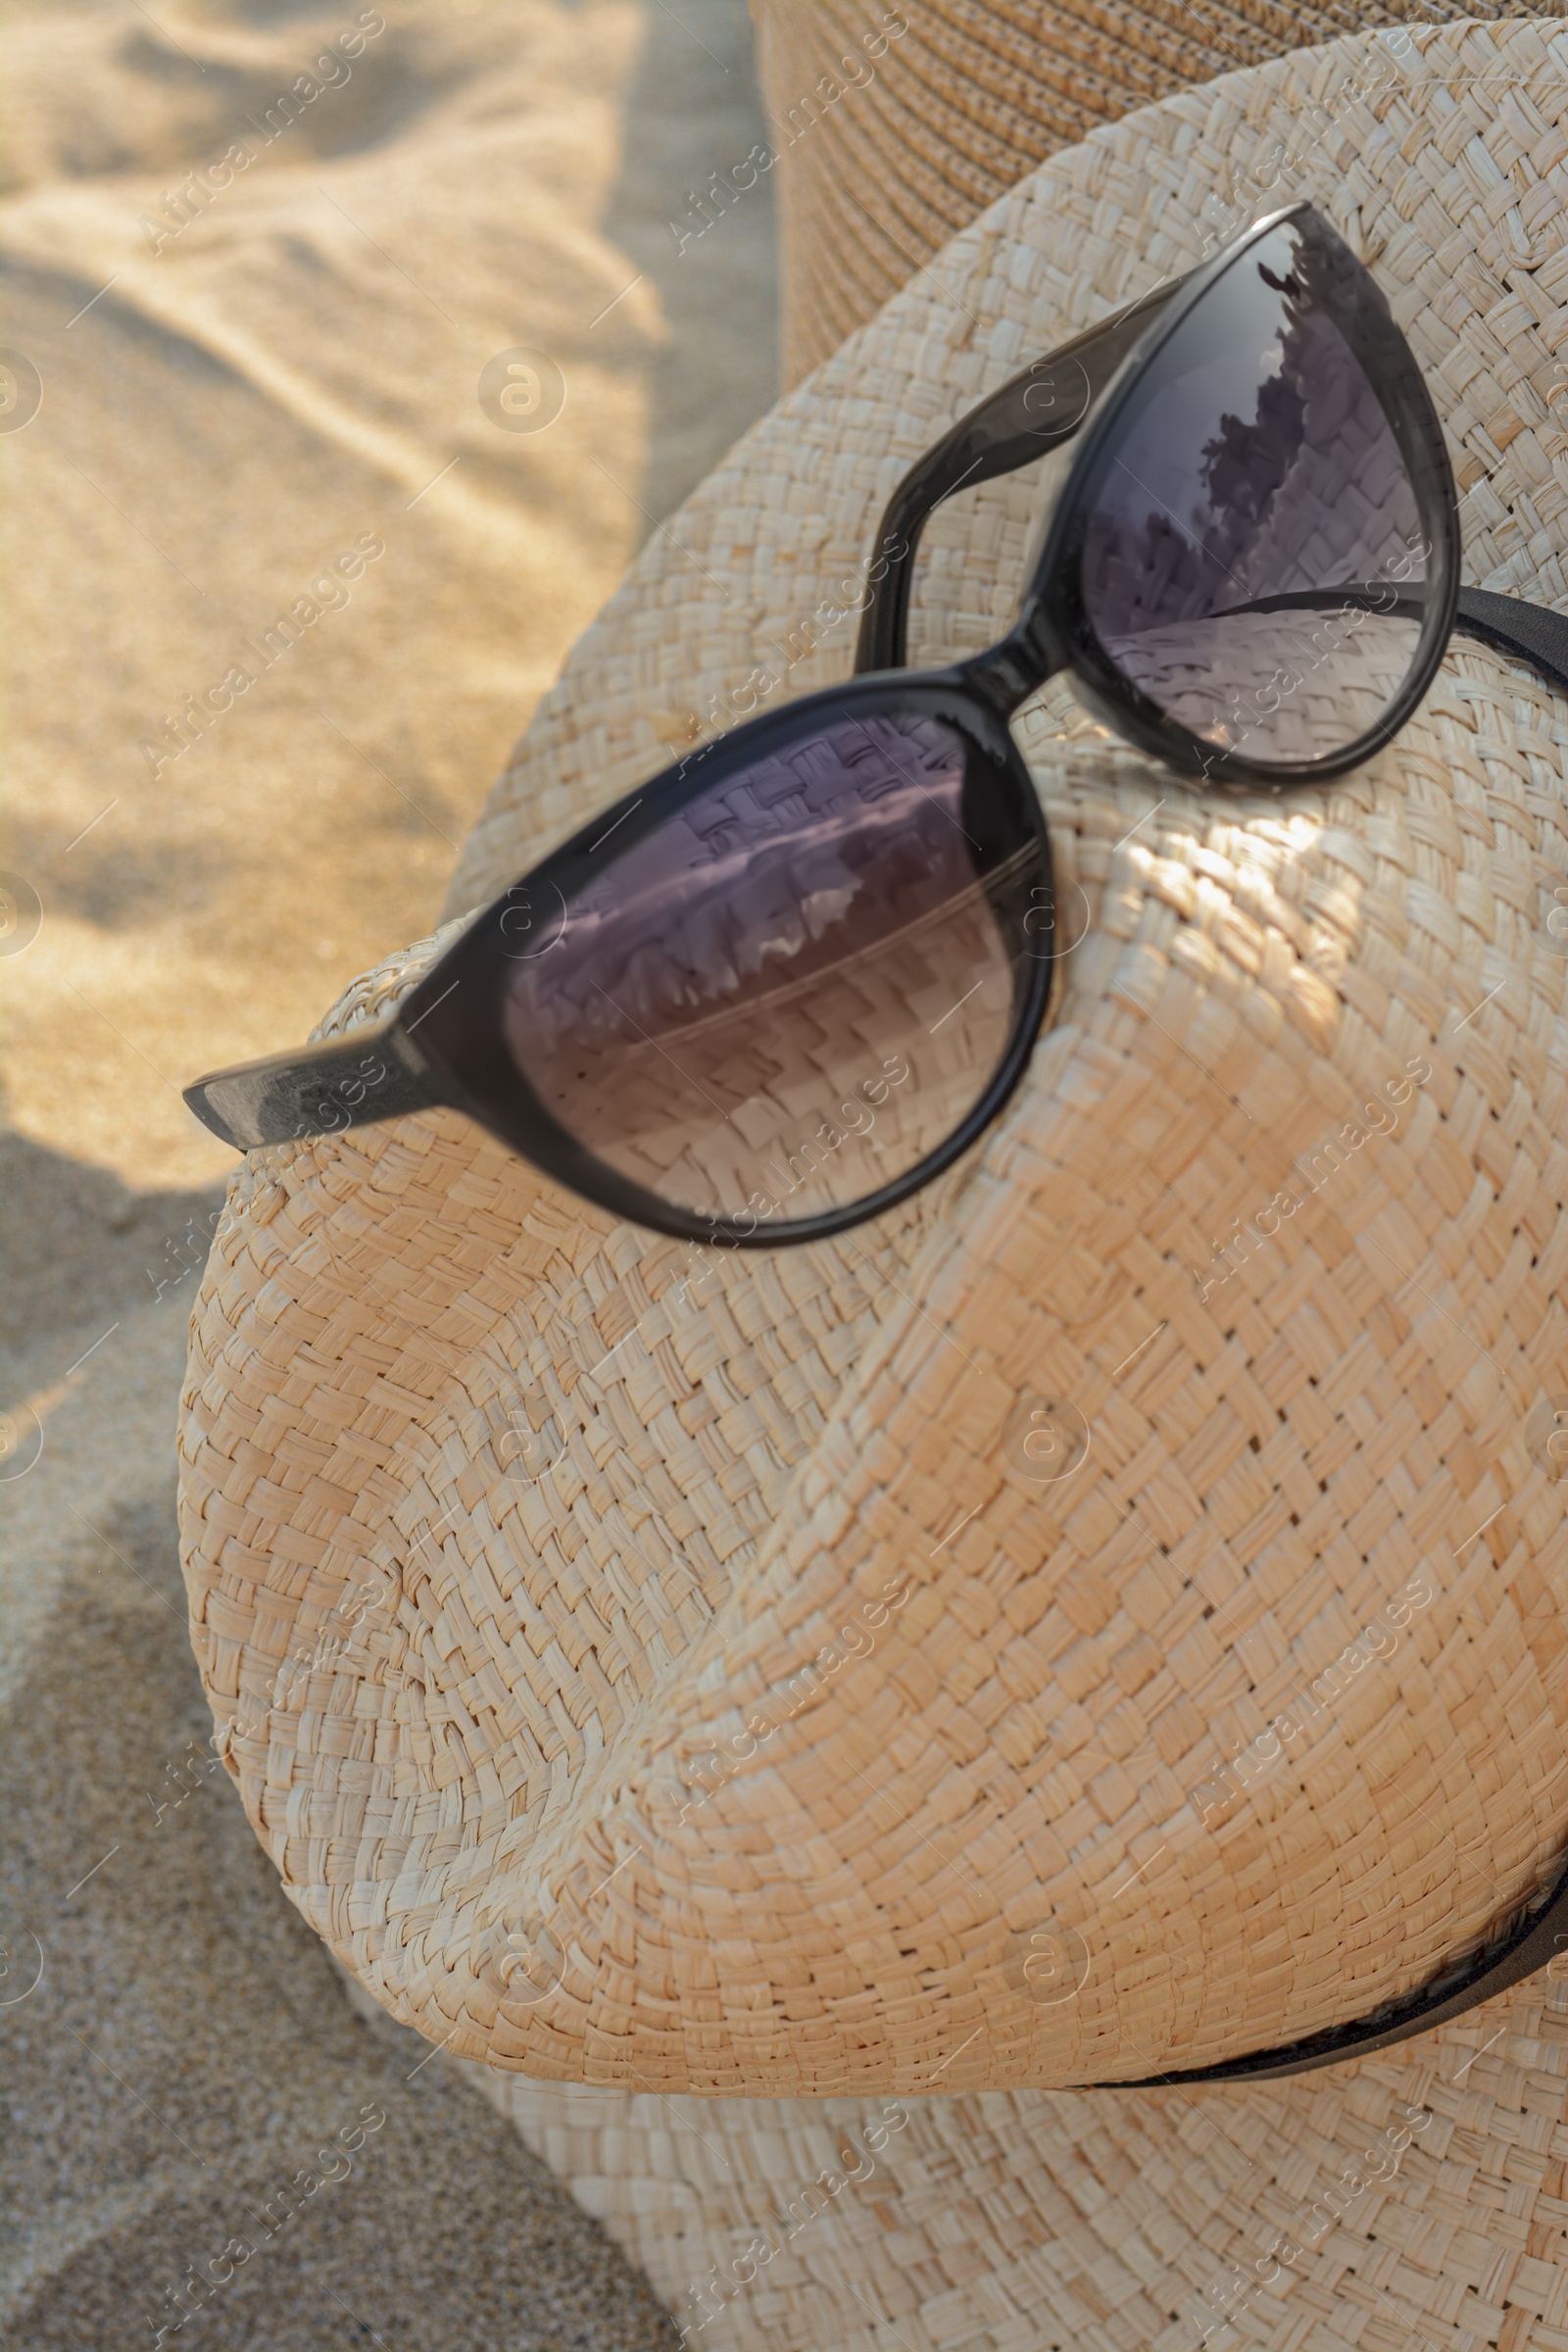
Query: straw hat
[(511, 1534), (886, 142)]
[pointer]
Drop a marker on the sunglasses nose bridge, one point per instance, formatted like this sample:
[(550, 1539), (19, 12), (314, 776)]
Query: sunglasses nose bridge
[(1009, 672)]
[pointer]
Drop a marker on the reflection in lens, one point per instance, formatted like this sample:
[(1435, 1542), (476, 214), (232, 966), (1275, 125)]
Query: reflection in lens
[(795, 988), (530, 1964), (1253, 559)]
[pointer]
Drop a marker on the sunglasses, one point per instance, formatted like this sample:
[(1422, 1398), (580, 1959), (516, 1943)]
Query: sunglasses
[(790, 980)]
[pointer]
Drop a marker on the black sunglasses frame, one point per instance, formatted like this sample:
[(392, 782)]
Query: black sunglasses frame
[(1054, 633), (442, 1045), (473, 1057)]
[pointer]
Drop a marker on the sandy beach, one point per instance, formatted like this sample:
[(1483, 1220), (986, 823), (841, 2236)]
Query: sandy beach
[(255, 427)]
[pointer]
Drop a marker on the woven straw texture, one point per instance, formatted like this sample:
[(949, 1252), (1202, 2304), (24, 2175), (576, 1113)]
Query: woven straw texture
[(510, 1533), (884, 143), (1106, 2222)]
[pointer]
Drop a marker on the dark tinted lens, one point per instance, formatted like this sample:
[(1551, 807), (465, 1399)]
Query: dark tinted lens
[(794, 991), (1254, 559)]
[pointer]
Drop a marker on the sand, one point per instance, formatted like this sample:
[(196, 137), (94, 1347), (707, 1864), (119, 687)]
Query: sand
[(253, 388)]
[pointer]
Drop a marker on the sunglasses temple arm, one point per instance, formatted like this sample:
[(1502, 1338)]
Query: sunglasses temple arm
[(1009, 429), (353, 1081), (1532, 632)]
